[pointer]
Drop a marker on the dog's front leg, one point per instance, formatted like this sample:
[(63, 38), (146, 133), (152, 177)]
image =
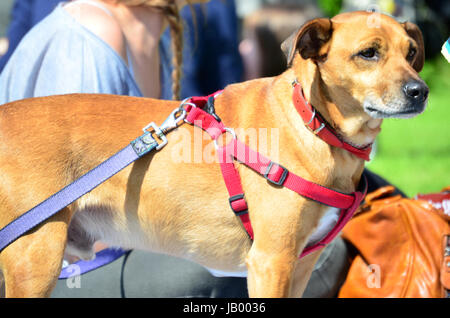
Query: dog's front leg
[(281, 230), (272, 257), (269, 272), (302, 273)]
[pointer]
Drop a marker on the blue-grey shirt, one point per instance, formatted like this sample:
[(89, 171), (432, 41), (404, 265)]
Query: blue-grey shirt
[(61, 56)]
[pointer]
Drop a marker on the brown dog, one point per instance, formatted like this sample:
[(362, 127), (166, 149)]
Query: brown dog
[(354, 72)]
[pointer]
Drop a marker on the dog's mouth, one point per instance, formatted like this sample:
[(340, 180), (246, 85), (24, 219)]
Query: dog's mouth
[(355, 145), (406, 112)]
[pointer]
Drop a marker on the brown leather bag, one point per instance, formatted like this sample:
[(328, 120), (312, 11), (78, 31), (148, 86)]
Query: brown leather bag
[(402, 247)]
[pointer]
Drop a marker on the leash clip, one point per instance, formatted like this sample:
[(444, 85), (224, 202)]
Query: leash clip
[(177, 116)]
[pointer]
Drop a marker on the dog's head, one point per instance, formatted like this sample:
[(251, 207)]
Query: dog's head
[(367, 62)]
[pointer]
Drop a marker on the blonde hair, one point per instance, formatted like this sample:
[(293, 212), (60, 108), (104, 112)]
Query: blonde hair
[(171, 12)]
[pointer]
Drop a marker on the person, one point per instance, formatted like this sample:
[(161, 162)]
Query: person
[(211, 58), (212, 64), (24, 15), (103, 47)]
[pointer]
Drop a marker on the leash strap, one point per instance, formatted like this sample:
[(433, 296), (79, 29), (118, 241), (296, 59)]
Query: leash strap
[(67, 195), (102, 258), (89, 181), (86, 183)]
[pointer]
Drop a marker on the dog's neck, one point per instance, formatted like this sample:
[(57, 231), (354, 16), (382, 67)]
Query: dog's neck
[(344, 169), (337, 107)]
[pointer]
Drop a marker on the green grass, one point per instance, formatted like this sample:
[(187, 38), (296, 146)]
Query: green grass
[(414, 154)]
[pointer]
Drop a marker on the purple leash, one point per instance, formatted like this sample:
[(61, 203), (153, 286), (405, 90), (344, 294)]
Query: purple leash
[(89, 181), (103, 257), (66, 196)]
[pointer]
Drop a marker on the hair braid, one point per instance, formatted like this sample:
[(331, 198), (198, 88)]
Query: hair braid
[(176, 32), (171, 12)]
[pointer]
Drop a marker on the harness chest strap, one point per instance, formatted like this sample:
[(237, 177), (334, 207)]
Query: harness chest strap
[(273, 172)]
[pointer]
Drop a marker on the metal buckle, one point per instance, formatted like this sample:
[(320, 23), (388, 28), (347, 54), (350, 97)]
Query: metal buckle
[(283, 175), (231, 131), (322, 126), (312, 117), (158, 133), (181, 107), (177, 116)]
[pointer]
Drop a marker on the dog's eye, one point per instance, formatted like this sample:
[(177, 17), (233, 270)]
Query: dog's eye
[(411, 53), (369, 54)]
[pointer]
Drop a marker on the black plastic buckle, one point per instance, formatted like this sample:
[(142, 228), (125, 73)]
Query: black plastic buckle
[(283, 175), (210, 108), (235, 198)]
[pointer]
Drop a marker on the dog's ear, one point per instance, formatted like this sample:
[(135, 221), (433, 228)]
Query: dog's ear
[(415, 33), (308, 40)]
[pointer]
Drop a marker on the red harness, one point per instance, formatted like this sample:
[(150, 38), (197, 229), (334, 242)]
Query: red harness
[(274, 172)]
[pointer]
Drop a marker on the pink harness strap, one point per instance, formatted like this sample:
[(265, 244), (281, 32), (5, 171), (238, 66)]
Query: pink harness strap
[(273, 172)]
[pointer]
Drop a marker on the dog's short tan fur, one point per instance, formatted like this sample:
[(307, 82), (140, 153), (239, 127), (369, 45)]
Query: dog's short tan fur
[(182, 208)]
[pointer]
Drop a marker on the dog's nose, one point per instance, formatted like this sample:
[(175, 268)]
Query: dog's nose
[(416, 91)]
